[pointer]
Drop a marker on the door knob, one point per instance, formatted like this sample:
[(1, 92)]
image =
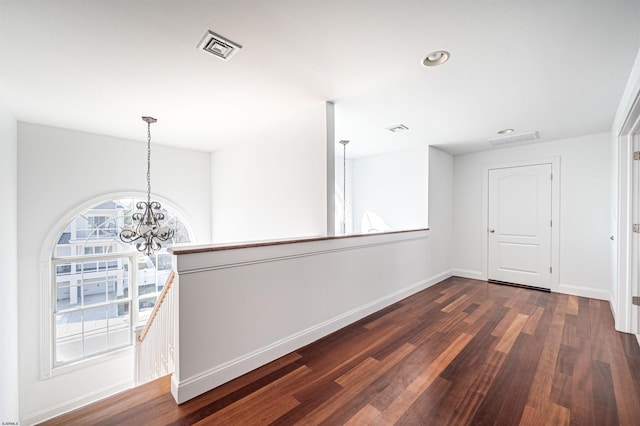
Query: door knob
[(492, 230)]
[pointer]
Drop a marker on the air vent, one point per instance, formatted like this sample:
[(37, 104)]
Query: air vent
[(397, 128), (512, 139), (218, 46)]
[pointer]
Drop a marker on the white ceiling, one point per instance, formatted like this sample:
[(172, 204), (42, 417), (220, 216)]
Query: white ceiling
[(555, 66)]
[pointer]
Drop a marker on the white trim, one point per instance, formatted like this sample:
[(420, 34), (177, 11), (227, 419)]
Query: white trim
[(100, 358), (465, 273), (623, 304), (629, 99), (577, 290), (625, 315), (194, 270), (612, 306), (626, 123), (65, 407), (198, 262), (638, 339), (634, 239), (555, 214), (193, 386), (46, 298)]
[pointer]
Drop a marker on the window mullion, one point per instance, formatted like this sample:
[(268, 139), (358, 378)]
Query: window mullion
[(133, 284)]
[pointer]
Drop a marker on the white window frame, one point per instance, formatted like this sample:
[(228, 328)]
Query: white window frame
[(47, 288), (133, 296)]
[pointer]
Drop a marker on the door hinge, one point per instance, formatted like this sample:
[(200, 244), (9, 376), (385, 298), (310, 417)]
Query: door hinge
[(551, 223), (551, 176), (636, 228), (635, 300), (550, 269), (636, 155)]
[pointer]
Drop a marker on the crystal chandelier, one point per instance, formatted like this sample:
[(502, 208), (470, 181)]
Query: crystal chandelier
[(148, 232)]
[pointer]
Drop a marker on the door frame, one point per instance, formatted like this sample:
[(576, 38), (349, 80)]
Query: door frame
[(626, 315), (555, 214)]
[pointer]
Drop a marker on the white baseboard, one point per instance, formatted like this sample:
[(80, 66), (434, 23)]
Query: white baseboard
[(465, 273), (207, 380), (576, 290), (613, 310), (76, 403)]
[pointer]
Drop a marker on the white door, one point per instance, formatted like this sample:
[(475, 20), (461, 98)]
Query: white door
[(519, 225)]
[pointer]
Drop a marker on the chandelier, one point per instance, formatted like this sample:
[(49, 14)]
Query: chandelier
[(148, 232)]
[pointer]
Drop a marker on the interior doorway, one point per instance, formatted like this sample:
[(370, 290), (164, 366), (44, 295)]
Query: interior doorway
[(519, 225), (627, 279), (524, 247)]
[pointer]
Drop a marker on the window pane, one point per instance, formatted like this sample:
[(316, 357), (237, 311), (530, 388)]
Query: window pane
[(67, 296), (69, 337), (162, 279), (95, 330), (163, 262), (86, 267), (145, 306), (119, 325), (63, 269), (94, 291), (146, 276), (118, 285)]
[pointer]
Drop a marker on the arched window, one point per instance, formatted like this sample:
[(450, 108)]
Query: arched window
[(102, 287), (373, 222)]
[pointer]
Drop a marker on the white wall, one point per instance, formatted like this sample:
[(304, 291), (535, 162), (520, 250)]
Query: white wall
[(441, 166), (274, 184), (264, 302), (395, 186), (271, 300), (585, 185), (59, 169), (613, 224), (8, 268)]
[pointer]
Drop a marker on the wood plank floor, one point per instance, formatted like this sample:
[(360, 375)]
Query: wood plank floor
[(461, 352)]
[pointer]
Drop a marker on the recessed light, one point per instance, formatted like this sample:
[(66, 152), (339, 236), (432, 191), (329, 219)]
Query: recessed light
[(438, 57), (505, 131)]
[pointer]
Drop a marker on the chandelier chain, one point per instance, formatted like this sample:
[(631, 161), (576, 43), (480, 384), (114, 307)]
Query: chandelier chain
[(149, 162)]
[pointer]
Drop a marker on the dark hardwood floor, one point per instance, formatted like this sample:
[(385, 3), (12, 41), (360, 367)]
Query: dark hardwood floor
[(460, 352)]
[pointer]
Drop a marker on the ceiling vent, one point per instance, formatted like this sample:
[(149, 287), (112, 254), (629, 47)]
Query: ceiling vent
[(218, 46), (512, 139), (397, 128)]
